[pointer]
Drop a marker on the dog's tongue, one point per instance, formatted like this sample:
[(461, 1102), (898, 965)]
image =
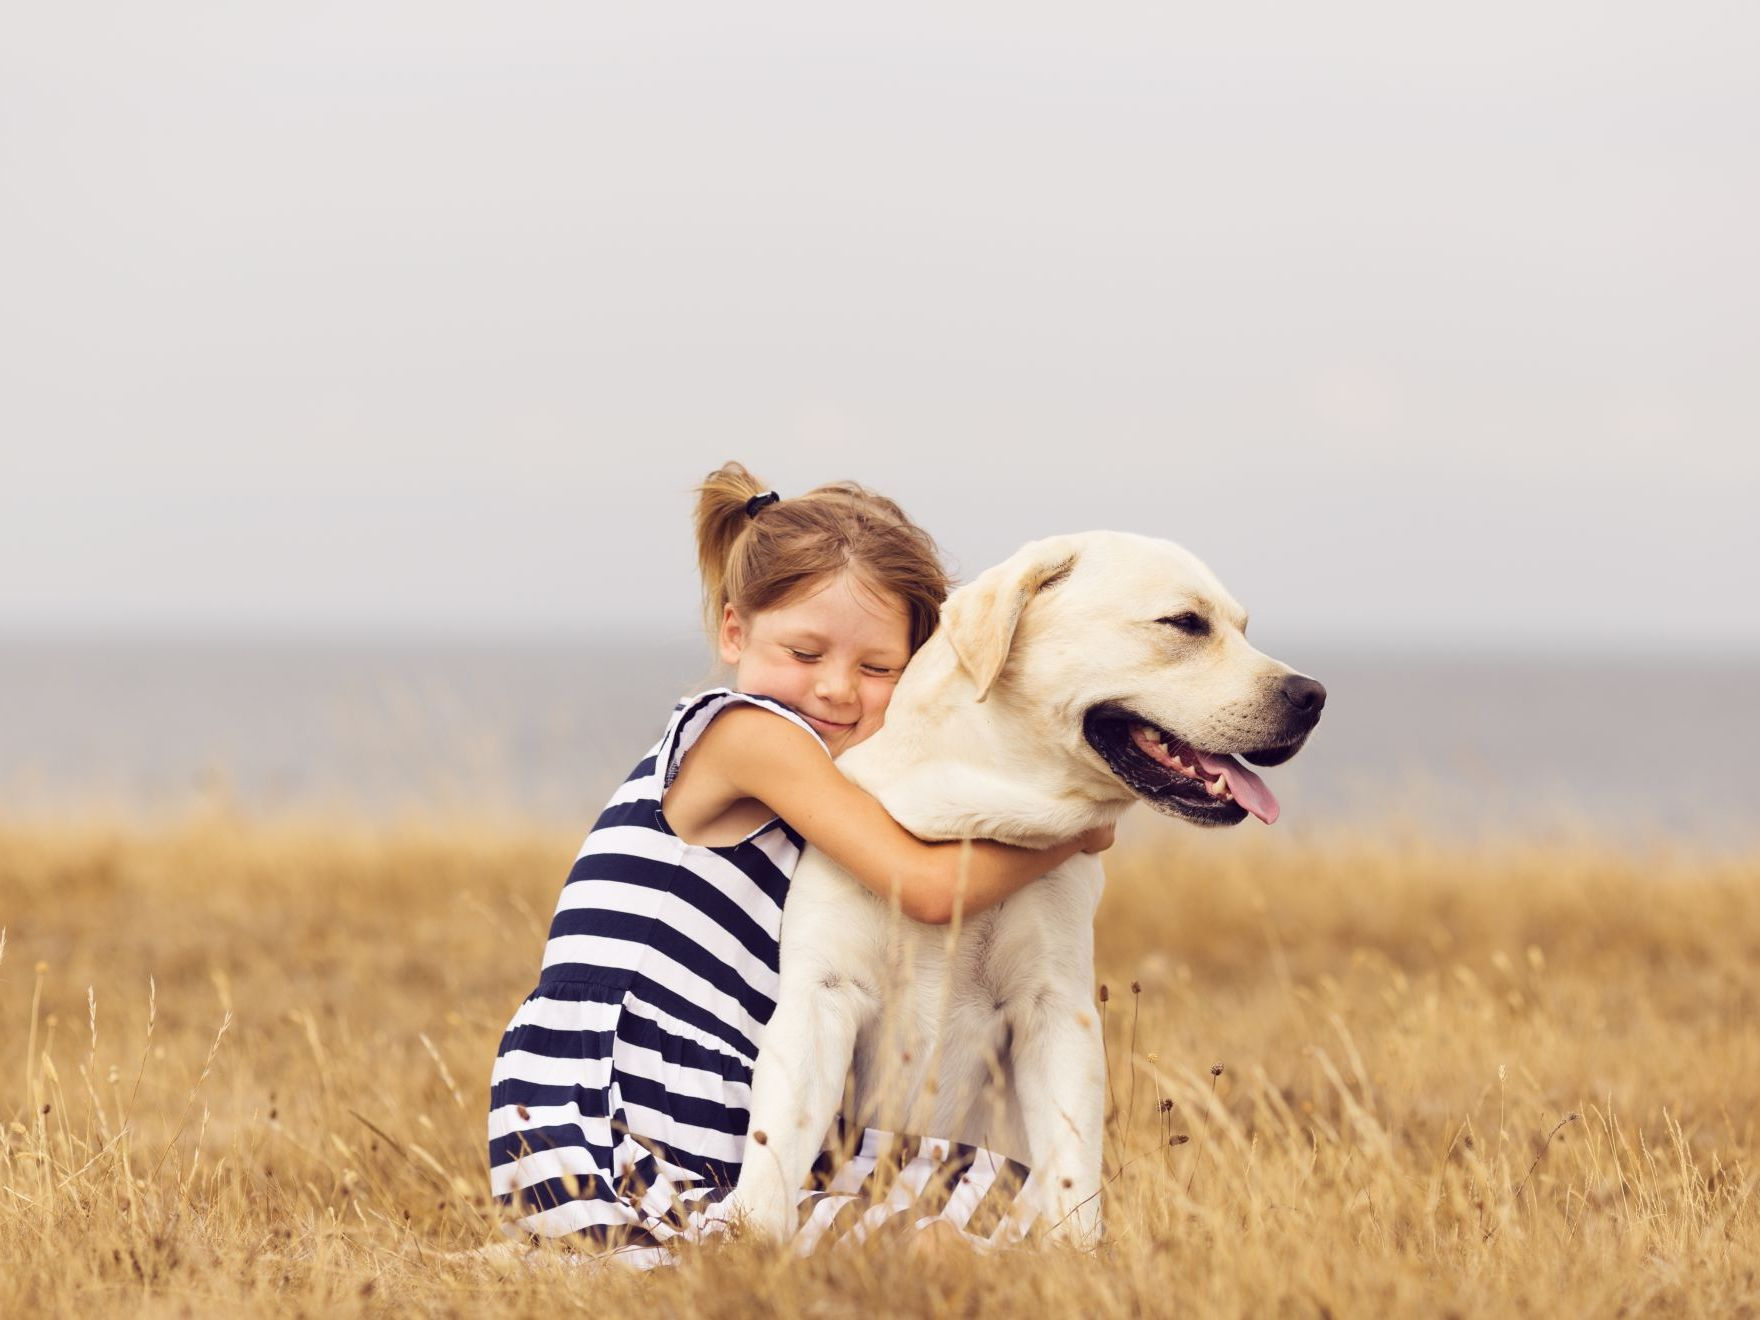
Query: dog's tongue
[(1249, 790)]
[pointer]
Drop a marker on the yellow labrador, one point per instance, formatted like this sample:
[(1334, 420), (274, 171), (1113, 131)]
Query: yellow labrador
[(1082, 674)]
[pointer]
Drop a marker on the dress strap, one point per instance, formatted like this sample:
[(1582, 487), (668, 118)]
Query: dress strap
[(694, 715)]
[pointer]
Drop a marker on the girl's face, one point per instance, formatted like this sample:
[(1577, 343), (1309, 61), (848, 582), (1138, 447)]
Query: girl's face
[(834, 654)]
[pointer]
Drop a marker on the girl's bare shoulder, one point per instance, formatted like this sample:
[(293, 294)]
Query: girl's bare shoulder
[(750, 735), (724, 782)]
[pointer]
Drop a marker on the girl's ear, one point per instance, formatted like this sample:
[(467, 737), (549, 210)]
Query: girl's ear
[(732, 638), (980, 620)]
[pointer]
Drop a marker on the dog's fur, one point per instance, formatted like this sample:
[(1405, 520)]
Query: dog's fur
[(1011, 723)]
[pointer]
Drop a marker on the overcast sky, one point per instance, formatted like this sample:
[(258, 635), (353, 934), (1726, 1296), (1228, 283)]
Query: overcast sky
[(1420, 324)]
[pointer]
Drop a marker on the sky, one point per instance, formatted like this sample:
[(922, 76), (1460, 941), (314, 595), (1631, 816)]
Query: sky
[(1423, 327)]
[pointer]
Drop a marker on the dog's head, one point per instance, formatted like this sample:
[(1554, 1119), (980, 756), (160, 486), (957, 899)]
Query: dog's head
[(1126, 653)]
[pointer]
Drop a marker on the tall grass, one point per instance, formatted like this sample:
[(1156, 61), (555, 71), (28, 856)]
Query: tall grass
[(243, 1067)]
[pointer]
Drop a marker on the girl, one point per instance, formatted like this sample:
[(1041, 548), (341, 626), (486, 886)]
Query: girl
[(618, 1108)]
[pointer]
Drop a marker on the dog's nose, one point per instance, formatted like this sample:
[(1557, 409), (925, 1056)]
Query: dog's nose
[(1307, 696)]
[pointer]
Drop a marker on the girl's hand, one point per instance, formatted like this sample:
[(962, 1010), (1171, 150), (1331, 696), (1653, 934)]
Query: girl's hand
[(1097, 840)]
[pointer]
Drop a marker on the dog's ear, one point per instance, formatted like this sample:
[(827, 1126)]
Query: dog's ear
[(980, 619)]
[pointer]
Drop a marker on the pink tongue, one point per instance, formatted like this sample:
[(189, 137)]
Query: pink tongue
[(1249, 790)]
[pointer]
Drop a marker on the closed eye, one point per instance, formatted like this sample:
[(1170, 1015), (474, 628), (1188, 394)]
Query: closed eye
[(1192, 625), (807, 657)]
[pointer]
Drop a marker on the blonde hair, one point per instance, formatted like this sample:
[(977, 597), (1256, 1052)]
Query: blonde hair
[(766, 557)]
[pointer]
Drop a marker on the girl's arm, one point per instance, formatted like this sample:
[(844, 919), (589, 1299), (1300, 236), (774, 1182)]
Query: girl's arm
[(751, 753)]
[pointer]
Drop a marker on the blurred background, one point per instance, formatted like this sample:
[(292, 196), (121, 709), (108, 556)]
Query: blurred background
[(357, 362)]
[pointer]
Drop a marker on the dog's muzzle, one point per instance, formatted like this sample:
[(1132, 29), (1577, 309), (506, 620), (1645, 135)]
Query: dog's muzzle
[(1174, 775)]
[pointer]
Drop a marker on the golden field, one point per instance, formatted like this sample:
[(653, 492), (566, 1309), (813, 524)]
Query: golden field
[(245, 1069)]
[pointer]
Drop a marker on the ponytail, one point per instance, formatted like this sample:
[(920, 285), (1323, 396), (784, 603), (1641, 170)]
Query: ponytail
[(756, 554), (721, 521)]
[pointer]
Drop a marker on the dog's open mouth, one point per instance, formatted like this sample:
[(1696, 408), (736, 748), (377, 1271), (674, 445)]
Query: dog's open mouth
[(1209, 788)]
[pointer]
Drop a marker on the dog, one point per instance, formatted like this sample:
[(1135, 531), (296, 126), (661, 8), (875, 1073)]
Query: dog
[(1084, 673)]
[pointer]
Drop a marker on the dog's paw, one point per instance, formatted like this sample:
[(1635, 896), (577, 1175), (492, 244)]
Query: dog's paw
[(760, 1205), (764, 1223)]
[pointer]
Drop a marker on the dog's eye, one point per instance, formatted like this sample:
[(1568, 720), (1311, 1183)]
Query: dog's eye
[(1193, 625)]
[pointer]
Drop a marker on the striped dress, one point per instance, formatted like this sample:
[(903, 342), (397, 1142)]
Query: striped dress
[(621, 1092)]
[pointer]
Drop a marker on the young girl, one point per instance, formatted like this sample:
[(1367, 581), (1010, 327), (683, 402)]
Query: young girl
[(618, 1108)]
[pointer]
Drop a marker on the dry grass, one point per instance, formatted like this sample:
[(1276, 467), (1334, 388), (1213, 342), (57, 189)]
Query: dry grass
[(245, 1068)]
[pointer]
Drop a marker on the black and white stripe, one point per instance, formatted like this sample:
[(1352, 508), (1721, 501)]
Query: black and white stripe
[(620, 1097)]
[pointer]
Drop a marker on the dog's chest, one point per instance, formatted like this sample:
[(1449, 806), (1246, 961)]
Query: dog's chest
[(1022, 949)]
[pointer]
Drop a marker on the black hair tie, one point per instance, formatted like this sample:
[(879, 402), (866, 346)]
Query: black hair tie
[(760, 501)]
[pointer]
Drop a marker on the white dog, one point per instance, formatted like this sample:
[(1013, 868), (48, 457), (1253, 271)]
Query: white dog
[(1081, 674)]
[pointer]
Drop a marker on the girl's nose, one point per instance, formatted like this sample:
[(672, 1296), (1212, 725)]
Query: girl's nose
[(836, 684)]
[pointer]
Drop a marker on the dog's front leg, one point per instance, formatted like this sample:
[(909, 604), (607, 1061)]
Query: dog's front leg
[(1060, 1079), (797, 1084)]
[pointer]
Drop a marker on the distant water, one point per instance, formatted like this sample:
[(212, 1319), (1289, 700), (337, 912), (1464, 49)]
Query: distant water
[(1636, 748)]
